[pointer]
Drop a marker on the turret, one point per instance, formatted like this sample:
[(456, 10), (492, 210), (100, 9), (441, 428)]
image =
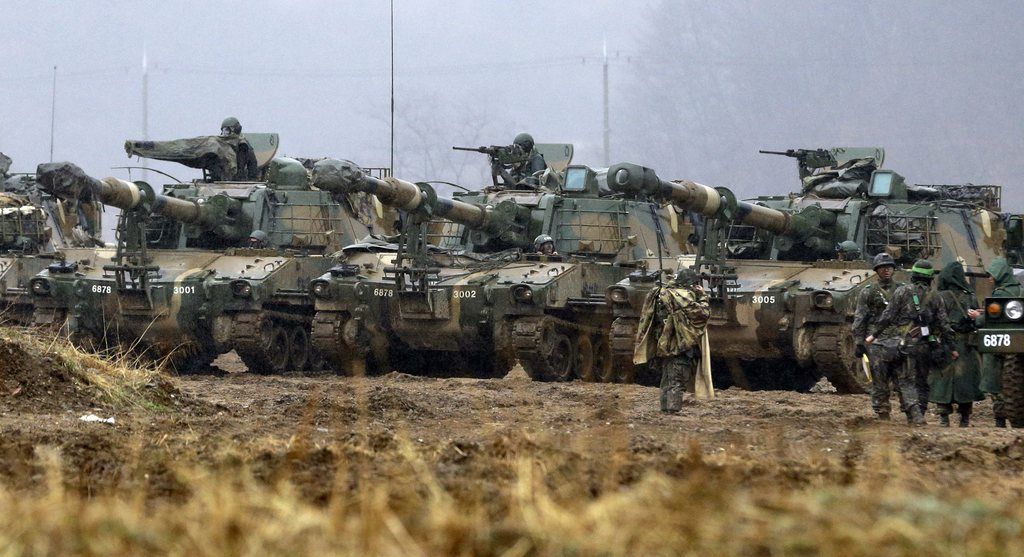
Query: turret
[(502, 221), (220, 214)]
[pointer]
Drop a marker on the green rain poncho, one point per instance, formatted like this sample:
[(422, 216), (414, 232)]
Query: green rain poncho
[(958, 381)]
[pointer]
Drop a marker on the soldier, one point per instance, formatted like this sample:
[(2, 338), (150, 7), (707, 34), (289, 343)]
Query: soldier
[(907, 332), (957, 382), (258, 239), (992, 364), (544, 245), (248, 167), (871, 302), (672, 324), (847, 251), (535, 163)]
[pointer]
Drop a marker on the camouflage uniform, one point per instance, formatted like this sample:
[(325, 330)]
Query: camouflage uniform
[(992, 364), (672, 323), (871, 302), (899, 334)]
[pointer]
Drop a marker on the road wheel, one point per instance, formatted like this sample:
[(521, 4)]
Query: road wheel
[(299, 349), (555, 360), (273, 353), (586, 359), (833, 355), (604, 364), (1013, 388)]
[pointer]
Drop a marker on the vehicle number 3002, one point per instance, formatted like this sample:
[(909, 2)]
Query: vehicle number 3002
[(764, 299), (464, 294), (995, 340)]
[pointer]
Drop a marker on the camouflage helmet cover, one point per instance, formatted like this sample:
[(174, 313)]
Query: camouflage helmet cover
[(231, 123), (525, 141), (883, 260), (686, 277), (848, 247)]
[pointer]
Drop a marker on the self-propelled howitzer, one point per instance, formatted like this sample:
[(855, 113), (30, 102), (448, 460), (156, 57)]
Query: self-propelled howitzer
[(474, 300), (190, 278)]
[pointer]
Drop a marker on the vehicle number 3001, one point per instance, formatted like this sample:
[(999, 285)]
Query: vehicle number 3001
[(764, 299), (102, 289), (184, 289), (995, 340)]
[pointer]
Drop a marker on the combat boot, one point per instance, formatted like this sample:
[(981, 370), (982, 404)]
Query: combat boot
[(914, 416), (1000, 422), (944, 420), (883, 416), (965, 420)]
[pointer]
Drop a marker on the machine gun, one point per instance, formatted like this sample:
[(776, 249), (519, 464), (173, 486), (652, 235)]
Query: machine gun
[(504, 158)]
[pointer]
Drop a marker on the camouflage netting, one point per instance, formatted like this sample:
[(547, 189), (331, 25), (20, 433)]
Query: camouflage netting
[(22, 225), (209, 152), (329, 175), (847, 180)]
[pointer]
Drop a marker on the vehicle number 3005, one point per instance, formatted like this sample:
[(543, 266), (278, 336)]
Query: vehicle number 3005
[(102, 289), (995, 340), (764, 299), (383, 292)]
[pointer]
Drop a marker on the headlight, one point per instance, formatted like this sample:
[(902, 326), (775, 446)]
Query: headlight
[(241, 288), (40, 287), (618, 295), (522, 293), (1014, 309), (823, 300), (321, 289)]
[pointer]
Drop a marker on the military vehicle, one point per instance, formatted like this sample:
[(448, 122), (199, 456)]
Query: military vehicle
[(34, 225), (782, 305), (206, 267), (474, 296), (1002, 335)]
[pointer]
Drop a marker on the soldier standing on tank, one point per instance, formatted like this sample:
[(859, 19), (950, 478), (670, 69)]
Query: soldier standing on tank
[(909, 331), (992, 364), (248, 167), (871, 302), (958, 381), (672, 323), (524, 172)]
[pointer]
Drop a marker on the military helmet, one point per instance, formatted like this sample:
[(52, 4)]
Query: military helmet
[(922, 269), (525, 141), (883, 260), (232, 125), (686, 277), (541, 240), (848, 247), (258, 237)]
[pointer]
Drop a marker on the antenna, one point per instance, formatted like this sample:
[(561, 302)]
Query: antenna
[(53, 111), (392, 86), (607, 129), (145, 110)]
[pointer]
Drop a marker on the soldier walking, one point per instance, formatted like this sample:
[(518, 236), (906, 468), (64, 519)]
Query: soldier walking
[(908, 331), (871, 302), (672, 325), (957, 382), (992, 364)]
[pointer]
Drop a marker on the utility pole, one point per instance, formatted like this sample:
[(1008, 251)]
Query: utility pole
[(145, 110), (392, 86), (607, 128), (53, 111)]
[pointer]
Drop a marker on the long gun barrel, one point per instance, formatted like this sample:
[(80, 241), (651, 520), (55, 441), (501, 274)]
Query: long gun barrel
[(65, 176), (339, 176), (635, 180)]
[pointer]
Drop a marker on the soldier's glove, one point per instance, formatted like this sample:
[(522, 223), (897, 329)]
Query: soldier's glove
[(860, 350)]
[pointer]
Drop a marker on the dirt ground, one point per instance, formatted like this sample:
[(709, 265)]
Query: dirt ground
[(296, 425)]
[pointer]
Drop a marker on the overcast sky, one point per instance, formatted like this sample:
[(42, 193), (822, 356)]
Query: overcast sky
[(696, 87)]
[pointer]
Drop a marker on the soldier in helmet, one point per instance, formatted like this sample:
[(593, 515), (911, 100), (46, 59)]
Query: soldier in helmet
[(248, 167), (672, 324), (913, 327), (544, 245), (871, 302), (258, 239), (847, 251), (524, 172)]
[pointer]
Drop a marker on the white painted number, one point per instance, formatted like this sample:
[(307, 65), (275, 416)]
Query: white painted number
[(383, 292), (101, 289), (464, 294), (764, 299), (993, 341), (184, 289)]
